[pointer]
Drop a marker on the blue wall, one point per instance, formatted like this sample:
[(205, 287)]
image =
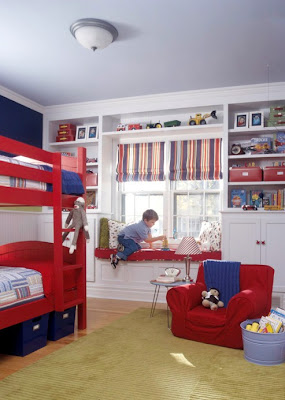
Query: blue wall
[(20, 123)]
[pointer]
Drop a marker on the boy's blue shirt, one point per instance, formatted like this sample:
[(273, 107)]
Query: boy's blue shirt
[(138, 232)]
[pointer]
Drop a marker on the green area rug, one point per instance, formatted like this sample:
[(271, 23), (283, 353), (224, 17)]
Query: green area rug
[(138, 358)]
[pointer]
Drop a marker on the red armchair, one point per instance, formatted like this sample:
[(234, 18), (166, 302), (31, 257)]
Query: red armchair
[(190, 320)]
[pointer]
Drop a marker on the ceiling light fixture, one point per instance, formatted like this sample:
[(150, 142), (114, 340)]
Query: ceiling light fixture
[(93, 33)]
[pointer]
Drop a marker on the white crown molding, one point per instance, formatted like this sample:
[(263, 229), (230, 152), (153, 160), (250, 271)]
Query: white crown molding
[(21, 100), (163, 101)]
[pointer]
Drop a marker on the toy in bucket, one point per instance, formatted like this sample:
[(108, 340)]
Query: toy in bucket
[(264, 339)]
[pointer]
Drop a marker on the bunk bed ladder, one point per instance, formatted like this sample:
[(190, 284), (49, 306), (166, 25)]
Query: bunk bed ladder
[(79, 267)]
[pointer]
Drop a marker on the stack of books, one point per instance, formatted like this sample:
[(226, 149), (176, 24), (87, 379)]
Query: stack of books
[(167, 279)]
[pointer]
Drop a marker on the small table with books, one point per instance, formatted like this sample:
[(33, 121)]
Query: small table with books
[(167, 285)]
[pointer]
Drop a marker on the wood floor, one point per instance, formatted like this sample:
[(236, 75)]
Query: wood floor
[(100, 312)]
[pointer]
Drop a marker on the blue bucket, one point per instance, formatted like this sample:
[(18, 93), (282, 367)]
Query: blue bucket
[(263, 348)]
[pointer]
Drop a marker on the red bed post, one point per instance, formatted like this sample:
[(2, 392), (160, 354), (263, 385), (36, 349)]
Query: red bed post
[(81, 247), (80, 253), (57, 233)]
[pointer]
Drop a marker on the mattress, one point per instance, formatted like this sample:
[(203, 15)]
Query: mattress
[(19, 285), (71, 182)]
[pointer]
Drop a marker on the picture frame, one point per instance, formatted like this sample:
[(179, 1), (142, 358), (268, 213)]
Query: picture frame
[(81, 133), (92, 132), (256, 119), (241, 120)]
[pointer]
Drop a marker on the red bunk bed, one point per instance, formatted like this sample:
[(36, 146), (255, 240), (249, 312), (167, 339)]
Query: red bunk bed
[(63, 274)]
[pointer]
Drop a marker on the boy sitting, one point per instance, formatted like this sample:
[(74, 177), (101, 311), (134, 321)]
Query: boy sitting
[(130, 237)]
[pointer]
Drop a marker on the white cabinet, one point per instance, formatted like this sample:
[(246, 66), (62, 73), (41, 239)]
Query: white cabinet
[(254, 237)]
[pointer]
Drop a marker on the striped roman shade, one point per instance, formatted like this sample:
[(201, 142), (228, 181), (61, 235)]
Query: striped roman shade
[(140, 162), (195, 160)]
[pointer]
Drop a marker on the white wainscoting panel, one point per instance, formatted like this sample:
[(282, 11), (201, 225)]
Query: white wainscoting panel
[(131, 280), (17, 226)]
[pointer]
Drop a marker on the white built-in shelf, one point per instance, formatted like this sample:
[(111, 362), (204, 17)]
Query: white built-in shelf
[(92, 211), (239, 210), (91, 187), (262, 129), (75, 143), (92, 164), (255, 156), (258, 183), (175, 130)]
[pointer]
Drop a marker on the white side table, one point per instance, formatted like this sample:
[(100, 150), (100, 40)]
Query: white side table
[(157, 286)]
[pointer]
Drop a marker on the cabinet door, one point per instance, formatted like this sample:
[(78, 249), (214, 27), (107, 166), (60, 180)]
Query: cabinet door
[(241, 240), (273, 249)]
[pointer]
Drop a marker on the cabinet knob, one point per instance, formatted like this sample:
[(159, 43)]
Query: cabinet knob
[(263, 242), (257, 242)]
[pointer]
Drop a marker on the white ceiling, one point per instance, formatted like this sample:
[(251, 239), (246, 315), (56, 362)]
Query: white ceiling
[(163, 46)]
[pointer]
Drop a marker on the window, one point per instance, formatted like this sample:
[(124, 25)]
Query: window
[(194, 202), (185, 198), (136, 197)]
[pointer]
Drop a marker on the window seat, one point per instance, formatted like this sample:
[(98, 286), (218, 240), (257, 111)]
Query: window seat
[(131, 279), (158, 255)]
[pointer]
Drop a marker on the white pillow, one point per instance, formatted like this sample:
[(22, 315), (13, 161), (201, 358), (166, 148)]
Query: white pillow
[(114, 228), (211, 232)]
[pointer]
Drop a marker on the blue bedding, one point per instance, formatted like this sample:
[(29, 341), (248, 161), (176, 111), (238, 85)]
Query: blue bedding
[(71, 183)]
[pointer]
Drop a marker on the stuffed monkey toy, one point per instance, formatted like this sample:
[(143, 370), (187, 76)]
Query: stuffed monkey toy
[(79, 220)]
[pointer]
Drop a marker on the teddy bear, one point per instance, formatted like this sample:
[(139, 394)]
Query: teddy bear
[(211, 299), (79, 220)]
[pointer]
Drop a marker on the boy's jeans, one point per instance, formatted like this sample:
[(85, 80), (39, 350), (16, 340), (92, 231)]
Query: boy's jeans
[(130, 246)]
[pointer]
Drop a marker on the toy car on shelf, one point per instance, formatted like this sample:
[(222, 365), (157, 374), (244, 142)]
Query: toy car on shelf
[(172, 123), (201, 120), (247, 207), (151, 126), (134, 127), (121, 127)]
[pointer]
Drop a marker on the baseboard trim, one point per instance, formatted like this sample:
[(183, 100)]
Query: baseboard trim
[(138, 294)]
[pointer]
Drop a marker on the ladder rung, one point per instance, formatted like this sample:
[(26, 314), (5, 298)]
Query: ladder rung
[(72, 267), (67, 230)]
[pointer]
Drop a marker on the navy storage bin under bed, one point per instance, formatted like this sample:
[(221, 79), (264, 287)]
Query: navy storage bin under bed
[(61, 323), (24, 338)]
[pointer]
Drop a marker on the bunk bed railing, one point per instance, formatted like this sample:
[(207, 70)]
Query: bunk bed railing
[(55, 199), (22, 149)]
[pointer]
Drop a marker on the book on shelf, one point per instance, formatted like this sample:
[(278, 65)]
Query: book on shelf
[(279, 142), (254, 198), (238, 198), (274, 198), (260, 145)]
